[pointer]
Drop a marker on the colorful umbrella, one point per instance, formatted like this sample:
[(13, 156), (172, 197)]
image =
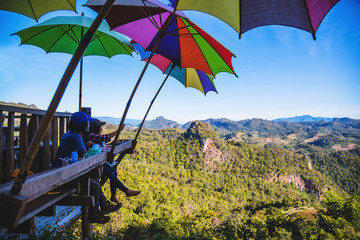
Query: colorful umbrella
[(180, 40), (63, 34), (189, 77), (36, 8), (168, 33), (248, 14)]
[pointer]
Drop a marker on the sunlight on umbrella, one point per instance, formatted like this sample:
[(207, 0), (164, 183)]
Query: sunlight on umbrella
[(246, 15), (36, 8)]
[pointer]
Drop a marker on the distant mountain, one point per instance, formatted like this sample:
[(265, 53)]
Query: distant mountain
[(304, 118), (116, 121), (161, 123)]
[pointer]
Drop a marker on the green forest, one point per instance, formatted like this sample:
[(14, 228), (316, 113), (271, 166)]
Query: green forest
[(197, 185)]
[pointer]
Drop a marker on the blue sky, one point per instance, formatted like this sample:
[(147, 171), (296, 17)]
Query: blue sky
[(282, 73)]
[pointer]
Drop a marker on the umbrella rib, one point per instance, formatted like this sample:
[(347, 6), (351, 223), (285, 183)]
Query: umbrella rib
[(231, 68), (36, 34), (148, 15), (97, 36), (32, 10), (64, 33), (310, 23)]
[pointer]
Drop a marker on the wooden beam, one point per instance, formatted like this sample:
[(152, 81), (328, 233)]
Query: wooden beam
[(36, 206), (72, 200), (40, 183), (7, 108)]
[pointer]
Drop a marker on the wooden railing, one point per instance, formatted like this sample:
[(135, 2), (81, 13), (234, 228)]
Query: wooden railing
[(18, 126)]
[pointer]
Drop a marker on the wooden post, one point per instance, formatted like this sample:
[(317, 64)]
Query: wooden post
[(55, 138), (1, 145), (84, 190), (23, 138), (62, 126), (34, 126), (45, 153), (35, 143), (10, 156)]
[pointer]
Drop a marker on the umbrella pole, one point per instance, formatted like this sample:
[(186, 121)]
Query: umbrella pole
[(45, 123), (81, 68), (114, 143), (80, 87), (161, 35), (152, 101)]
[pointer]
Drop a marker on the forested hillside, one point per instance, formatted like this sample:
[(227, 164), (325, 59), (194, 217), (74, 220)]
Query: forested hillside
[(196, 185)]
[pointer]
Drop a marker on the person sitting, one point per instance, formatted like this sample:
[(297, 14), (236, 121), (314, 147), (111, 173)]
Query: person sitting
[(72, 141), (95, 136)]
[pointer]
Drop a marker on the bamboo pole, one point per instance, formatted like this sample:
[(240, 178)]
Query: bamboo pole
[(153, 100), (45, 123), (161, 35)]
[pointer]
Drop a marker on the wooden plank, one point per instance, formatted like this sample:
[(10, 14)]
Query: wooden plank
[(10, 155), (23, 138), (2, 144), (30, 111), (36, 206), (40, 183), (54, 138), (72, 200)]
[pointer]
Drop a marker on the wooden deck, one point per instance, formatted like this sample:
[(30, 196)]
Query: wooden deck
[(44, 191)]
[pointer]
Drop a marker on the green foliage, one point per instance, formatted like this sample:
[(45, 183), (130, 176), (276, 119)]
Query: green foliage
[(196, 185)]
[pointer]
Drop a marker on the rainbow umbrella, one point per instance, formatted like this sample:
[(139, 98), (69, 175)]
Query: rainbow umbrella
[(168, 33), (189, 77), (36, 8), (248, 14)]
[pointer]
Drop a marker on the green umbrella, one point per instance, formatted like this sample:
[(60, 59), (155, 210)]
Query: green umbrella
[(36, 8), (63, 34)]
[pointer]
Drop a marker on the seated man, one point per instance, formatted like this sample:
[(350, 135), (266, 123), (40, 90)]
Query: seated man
[(72, 141), (95, 136)]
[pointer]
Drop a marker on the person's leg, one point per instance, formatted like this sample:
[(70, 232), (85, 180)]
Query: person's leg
[(100, 200), (111, 173), (95, 216)]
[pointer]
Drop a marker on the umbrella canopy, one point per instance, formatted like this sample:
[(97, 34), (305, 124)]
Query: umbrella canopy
[(181, 41), (63, 34), (189, 77), (36, 8), (248, 14)]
